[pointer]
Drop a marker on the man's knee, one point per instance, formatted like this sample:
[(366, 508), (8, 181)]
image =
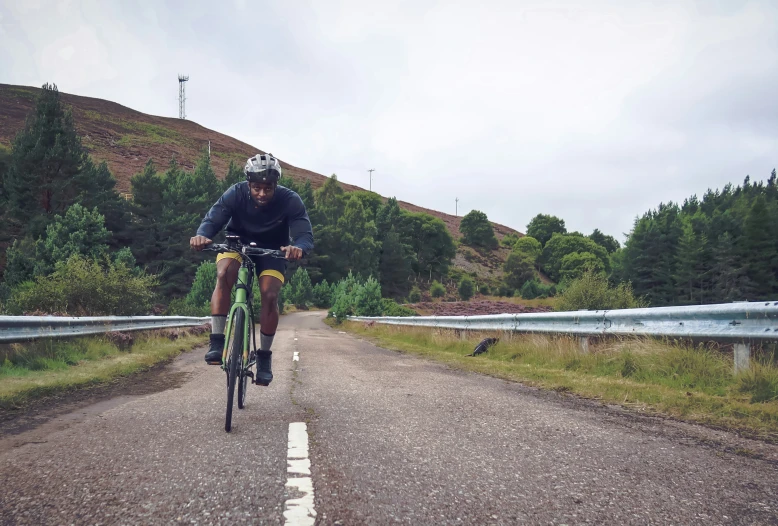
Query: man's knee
[(270, 298), (226, 275)]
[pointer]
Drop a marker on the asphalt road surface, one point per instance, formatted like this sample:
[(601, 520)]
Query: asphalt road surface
[(376, 437)]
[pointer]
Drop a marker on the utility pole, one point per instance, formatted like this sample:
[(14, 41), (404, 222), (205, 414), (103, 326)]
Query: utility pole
[(182, 96), (456, 207), (371, 178)]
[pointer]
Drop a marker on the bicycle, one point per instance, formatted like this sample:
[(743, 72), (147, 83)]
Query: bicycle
[(238, 362)]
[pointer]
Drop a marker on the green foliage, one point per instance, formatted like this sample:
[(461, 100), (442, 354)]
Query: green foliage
[(477, 230), (46, 157), (367, 299), (437, 290), (542, 227), (234, 176), (718, 249), (528, 246), (79, 232), (466, 288), (392, 308), (432, 245), (414, 296), (20, 261), (609, 243), (519, 268), (322, 295), (203, 286), (300, 289), (560, 245), (592, 292), (575, 264), (83, 287), (343, 297), (509, 239), (395, 265), (535, 289)]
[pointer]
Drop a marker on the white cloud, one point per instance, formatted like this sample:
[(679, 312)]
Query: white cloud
[(592, 111)]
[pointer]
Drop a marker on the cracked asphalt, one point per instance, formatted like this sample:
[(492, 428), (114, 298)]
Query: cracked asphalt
[(394, 439)]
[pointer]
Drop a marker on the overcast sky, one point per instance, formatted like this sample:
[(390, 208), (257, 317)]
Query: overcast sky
[(594, 110)]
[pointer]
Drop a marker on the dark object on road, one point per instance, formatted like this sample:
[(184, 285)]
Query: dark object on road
[(484, 346)]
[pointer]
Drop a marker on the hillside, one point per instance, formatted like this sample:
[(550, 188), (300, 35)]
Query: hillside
[(126, 139)]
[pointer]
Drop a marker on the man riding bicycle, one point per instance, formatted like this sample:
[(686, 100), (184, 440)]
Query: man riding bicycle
[(259, 211)]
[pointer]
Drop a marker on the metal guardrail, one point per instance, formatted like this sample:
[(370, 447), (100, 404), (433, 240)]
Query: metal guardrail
[(740, 323), (730, 321), (26, 328)]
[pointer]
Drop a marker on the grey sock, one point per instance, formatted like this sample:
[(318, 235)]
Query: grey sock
[(217, 324), (265, 341)]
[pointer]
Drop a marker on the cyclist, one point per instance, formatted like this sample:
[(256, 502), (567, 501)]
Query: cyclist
[(257, 210)]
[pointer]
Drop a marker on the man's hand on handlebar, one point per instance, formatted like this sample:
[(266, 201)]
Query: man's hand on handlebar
[(292, 253), (199, 242)]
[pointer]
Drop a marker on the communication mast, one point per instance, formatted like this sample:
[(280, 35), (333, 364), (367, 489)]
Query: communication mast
[(182, 96)]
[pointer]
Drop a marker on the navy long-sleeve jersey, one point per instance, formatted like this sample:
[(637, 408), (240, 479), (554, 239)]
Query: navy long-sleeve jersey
[(270, 226)]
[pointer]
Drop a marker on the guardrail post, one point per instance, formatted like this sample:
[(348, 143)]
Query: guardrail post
[(742, 356), (583, 341)]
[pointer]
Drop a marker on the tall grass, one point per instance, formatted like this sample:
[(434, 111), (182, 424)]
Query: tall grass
[(46, 367), (694, 382)]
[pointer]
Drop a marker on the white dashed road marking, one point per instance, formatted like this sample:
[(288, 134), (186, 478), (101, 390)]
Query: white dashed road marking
[(296, 357), (299, 511)]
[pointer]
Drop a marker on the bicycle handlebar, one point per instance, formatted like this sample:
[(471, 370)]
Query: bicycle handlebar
[(246, 250)]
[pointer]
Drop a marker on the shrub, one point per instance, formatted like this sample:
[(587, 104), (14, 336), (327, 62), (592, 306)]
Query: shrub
[(367, 299), (592, 292), (466, 288), (415, 295), (529, 246), (518, 269), (84, 287), (322, 295), (477, 230), (530, 290), (300, 290), (392, 308), (576, 263), (484, 289), (437, 290), (504, 291)]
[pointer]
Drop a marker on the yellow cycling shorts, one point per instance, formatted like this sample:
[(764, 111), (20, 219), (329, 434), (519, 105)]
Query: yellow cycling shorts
[(264, 265)]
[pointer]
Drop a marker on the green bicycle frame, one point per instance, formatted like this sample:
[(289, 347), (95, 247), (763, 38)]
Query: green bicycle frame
[(241, 302)]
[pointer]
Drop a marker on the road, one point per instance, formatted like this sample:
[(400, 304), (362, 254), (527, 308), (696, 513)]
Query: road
[(390, 439)]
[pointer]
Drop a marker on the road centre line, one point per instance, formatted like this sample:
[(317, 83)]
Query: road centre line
[(299, 511), (296, 357)]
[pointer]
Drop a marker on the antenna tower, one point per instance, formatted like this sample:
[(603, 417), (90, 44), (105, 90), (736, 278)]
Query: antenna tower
[(371, 178), (182, 96)]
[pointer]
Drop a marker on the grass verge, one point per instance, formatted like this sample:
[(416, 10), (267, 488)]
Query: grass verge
[(692, 383), (48, 367)]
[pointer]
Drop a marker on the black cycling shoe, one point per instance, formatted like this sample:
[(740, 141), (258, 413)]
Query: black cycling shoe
[(214, 354), (264, 362)]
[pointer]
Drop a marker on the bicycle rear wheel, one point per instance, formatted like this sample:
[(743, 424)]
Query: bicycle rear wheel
[(236, 355)]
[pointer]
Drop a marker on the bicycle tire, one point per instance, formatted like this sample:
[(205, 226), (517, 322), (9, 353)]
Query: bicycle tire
[(242, 384), (234, 360)]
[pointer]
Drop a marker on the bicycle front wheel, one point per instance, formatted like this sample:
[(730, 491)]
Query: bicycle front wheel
[(236, 355)]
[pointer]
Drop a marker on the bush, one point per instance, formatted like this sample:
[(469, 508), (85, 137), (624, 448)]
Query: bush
[(529, 246), (466, 289), (592, 292), (392, 308), (367, 299), (300, 290), (477, 230), (322, 295), (83, 287), (504, 291), (437, 290), (415, 295), (535, 289), (484, 289), (575, 264), (343, 297), (519, 268)]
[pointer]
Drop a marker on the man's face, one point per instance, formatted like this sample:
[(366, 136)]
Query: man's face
[(262, 193)]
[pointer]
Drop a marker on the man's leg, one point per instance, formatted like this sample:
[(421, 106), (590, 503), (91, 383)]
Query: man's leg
[(226, 276), (269, 287)]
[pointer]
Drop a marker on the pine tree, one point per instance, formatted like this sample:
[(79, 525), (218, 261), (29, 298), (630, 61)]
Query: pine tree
[(47, 155), (759, 249), (730, 281), (395, 266)]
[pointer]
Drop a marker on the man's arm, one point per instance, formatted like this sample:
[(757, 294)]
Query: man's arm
[(219, 214), (300, 229)]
